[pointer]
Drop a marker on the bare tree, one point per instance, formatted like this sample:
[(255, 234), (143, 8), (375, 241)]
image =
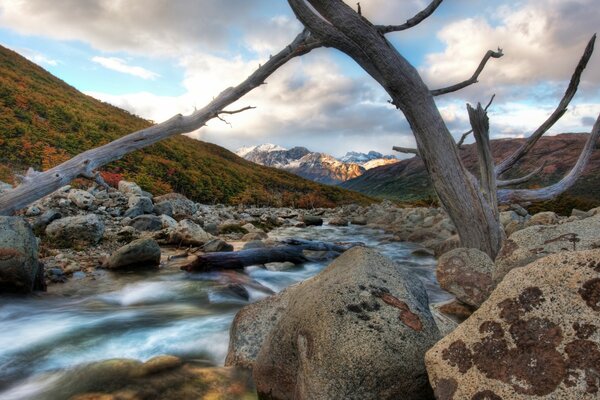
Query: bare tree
[(471, 204)]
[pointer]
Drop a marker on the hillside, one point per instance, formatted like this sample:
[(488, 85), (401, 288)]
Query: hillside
[(407, 180), (44, 121)]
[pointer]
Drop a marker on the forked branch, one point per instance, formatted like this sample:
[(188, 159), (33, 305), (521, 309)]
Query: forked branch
[(36, 185), (414, 21), (473, 79), (511, 160), (523, 179), (549, 192)]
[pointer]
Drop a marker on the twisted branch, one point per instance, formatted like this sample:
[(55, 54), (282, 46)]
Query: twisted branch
[(414, 21)]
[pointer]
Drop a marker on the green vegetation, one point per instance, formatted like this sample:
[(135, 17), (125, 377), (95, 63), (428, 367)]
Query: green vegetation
[(44, 121)]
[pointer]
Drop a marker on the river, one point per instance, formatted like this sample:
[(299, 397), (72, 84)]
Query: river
[(142, 315)]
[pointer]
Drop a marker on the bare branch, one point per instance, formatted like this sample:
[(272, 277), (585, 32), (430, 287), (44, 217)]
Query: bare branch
[(473, 79), (406, 150), (237, 111), (549, 192), (414, 21), (523, 179), (39, 184), (481, 130), (556, 115), (466, 134)]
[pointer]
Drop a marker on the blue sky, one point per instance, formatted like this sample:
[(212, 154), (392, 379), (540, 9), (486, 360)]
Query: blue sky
[(159, 57)]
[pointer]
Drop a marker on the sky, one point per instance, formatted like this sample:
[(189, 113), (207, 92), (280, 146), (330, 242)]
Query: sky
[(157, 58)]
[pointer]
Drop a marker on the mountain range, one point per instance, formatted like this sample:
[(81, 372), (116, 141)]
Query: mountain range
[(319, 167), (44, 121)]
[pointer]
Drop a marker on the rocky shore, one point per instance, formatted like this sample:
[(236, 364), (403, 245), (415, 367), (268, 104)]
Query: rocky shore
[(361, 329)]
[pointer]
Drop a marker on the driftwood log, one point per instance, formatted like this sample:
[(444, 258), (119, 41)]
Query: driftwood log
[(291, 250)]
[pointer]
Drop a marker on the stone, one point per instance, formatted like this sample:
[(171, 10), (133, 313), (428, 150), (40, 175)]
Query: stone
[(211, 228), (580, 214), (33, 211), (338, 221), (252, 236), (543, 218), (163, 208), (536, 336), (529, 244), (147, 222), (358, 330), (279, 266), (507, 217), (453, 242), (312, 220), (139, 253), (144, 204), (521, 212), (216, 245), (467, 274), (81, 198), (254, 244), (129, 188), (20, 270), (188, 233), (77, 231), (358, 221), (167, 222), (4, 187), (182, 207), (250, 228), (43, 220)]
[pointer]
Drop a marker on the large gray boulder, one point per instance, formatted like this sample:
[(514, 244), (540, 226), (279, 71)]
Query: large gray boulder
[(188, 233), (81, 198), (358, 330), (537, 336), (530, 244), (77, 231), (20, 269), (147, 222), (143, 253), (467, 274), (181, 206), (129, 188)]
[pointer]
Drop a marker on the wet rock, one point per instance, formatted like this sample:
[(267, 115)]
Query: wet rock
[(252, 236), (143, 253), (424, 252), (250, 327), (529, 244), (521, 212), (467, 274), (216, 245), (77, 231), (81, 198), (129, 188), (338, 221), (382, 324), (537, 336), (358, 221), (148, 222), (543, 218), (312, 220), (182, 207), (20, 270), (163, 208), (56, 275), (188, 233), (279, 266)]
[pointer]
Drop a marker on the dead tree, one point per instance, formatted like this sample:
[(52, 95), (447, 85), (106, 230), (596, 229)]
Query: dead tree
[(472, 205)]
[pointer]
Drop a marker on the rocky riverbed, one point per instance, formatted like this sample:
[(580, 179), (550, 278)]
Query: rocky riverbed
[(120, 319)]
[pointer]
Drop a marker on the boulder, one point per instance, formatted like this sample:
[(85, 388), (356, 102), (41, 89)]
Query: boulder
[(529, 244), (188, 233), (20, 270), (182, 206), (144, 204), (580, 214), (338, 221), (467, 274), (537, 336), (453, 242), (81, 198), (129, 188), (543, 218), (279, 266), (252, 236), (43, 220), (167, 222), (147, 222), (358, 221), (163, 208), (312, 220), (216, 245), (358, 330), (139, 253), (77, 231)]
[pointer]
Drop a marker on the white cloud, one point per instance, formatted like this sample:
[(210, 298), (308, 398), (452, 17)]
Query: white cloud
[(36, 56), (120, 65)]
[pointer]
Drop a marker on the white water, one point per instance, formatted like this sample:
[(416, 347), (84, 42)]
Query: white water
[(143, 315)]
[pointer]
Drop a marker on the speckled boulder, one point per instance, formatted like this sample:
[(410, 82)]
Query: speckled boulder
[(529, 244), (19, 265), (537, 336), (141, 253), (188, 233), (467, 274), (77, 231), (358, 330), (543, 218)]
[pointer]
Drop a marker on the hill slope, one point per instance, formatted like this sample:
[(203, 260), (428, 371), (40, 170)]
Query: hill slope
[(408, 181), (44, 121)]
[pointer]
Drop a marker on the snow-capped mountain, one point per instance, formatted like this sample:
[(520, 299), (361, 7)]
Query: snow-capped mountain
[(319, 167)]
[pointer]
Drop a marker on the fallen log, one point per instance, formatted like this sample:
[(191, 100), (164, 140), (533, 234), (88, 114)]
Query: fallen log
[(291, 251)]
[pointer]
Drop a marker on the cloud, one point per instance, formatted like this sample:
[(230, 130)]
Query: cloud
[(36, 56), (120, 65)]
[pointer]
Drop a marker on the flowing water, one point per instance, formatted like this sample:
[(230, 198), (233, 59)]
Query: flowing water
[(142, 315)]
